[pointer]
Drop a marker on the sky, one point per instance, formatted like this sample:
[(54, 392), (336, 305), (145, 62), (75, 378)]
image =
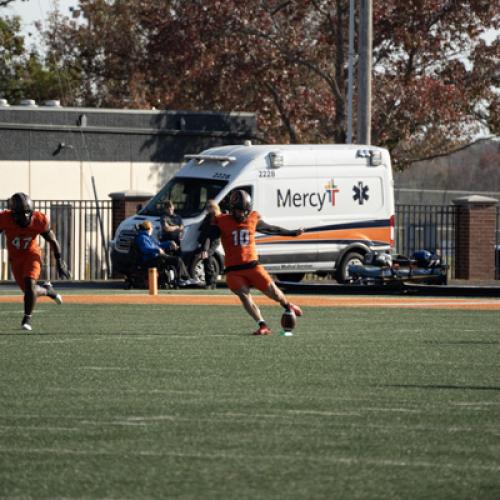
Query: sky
[(31, 11)]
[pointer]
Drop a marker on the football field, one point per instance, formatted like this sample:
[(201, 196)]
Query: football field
[(174, 399)]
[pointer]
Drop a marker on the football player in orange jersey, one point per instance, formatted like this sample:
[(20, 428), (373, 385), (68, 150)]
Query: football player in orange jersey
[(21, 225), (243, 271)]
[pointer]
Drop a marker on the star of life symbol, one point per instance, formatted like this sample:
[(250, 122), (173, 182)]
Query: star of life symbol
[(360, 193), (331, 189)]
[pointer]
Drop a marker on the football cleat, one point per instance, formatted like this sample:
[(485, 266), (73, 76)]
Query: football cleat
[(52, 293), (263, 330), (295, 309), (26, 323)]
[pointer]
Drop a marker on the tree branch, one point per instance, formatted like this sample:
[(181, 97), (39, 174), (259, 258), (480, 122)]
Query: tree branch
[(284, 115)]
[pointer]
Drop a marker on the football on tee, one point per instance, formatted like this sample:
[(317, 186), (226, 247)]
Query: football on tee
[(288, 321)]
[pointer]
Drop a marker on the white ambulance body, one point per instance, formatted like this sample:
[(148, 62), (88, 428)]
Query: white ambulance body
[(342, 195)]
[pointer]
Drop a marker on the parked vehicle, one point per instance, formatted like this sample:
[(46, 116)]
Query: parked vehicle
[(342, 195)]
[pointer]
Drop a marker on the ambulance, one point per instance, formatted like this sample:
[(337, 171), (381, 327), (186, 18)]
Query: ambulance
[(341, 195)]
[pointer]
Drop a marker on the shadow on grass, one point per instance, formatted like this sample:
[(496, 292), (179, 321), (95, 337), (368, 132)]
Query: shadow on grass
[(437, 386)]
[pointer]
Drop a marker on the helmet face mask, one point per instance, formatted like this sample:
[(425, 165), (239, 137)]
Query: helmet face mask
[(22, 209), (240, 204)]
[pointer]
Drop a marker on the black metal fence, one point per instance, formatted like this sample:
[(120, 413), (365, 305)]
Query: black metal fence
[(426, 227), (76, 226)]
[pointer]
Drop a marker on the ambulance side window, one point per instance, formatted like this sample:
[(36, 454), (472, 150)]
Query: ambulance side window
[(224, 204)]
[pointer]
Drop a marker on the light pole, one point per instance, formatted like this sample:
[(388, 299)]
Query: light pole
[(363, 135), (350, 69)]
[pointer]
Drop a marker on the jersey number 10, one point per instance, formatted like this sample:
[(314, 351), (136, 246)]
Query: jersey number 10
[(241, 238)]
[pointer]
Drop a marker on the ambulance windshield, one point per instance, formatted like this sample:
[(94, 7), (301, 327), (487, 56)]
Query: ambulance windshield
[(189, 196)]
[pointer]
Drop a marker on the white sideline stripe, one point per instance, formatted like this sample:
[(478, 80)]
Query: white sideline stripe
[(241, 456)]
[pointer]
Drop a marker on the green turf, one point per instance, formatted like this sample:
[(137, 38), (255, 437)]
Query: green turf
[(179, 402)]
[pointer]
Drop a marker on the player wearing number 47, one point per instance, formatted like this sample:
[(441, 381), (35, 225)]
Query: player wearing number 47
[(22, 225), (237, 232)]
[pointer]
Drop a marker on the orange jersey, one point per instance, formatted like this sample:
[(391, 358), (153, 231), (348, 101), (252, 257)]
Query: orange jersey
[(238, 238), (21, 241)]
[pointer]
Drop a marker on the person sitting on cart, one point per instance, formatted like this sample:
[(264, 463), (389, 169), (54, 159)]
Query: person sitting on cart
[(172, 226), (156, 254)]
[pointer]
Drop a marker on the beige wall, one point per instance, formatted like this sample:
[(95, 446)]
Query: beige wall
[(72, 180)]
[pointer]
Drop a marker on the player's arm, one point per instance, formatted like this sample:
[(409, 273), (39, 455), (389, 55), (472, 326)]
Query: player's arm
[(62, 268), (269, 229)]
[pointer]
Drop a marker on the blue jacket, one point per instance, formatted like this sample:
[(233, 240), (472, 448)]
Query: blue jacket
[(149, 247)]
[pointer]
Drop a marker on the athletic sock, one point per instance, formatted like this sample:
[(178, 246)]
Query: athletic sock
[(261, 322)]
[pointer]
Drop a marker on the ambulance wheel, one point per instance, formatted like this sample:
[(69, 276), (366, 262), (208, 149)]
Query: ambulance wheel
[(197, 271), (350, 259), (295, 277)]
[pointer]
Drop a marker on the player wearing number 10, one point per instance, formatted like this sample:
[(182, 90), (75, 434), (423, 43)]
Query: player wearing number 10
[(237, 232), (22, 225)]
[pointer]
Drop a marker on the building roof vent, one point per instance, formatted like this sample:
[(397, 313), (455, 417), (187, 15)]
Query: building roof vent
[(53, 103), (4, 103), (28, 102)]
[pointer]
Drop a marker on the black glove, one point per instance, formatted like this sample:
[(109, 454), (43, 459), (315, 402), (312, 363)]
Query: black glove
[(62, 269)]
